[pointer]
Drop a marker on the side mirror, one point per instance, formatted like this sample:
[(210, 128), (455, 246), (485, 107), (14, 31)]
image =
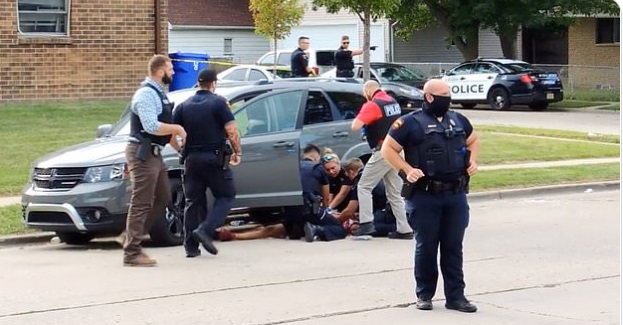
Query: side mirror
[(103, 129), (442, 71)]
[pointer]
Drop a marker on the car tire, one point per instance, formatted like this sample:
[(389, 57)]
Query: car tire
[(168, 228), (539, 106), (75, 238), (468, 105), (498, 99)]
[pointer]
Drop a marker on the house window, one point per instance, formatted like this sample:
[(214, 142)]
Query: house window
[(48, 17), (608, 30), (228, 46)]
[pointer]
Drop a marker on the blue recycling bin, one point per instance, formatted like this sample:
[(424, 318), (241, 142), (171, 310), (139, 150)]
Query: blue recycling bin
[(186, 67)]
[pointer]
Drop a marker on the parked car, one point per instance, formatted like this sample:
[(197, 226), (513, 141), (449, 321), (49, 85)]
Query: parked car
[(247, 72), (502, 83), (83, 191), (397, 80), (319, 60)]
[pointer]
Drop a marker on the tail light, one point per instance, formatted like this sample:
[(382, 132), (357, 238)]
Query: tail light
[(525, 78)]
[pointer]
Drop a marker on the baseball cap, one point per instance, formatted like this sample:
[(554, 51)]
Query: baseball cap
[(207, 75)]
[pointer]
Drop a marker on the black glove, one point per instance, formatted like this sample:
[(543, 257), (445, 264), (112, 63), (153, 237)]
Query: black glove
[(373, 48)]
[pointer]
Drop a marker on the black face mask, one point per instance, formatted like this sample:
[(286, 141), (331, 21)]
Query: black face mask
[(439, 106), (166, 79)]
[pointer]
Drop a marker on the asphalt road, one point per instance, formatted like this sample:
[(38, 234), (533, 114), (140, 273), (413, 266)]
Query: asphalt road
[(595, 121), (542, 260)]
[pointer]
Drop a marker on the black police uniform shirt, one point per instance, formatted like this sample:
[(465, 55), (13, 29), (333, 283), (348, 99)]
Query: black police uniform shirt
[(298, 63), (408, 133), (204, 116), (312, 177), (336, 183), (344, 59)]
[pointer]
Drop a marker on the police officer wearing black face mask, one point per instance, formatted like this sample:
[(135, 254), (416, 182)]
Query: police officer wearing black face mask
[(209, 123), (440, 149)]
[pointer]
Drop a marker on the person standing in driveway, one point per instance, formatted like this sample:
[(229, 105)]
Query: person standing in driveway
[(299, 61), (377, 115), (344, 64), (150, 130), (440, 152), (209, 123)]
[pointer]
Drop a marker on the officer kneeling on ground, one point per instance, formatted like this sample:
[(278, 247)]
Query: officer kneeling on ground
[(209, 123), (440, 150)]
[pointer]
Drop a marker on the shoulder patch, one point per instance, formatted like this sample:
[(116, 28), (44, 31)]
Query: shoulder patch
[(397, 124)]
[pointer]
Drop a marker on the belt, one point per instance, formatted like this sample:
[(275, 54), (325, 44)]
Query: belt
[(438, 187)]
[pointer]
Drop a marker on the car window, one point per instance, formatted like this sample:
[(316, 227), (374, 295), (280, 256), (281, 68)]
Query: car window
[(268, 59), (521, 67), (284, 58), (397, 73), (325, 58), (462, 70), (276, 113), (317, 109), (485, 68), (348, 104), (237, 75), (255, 75)]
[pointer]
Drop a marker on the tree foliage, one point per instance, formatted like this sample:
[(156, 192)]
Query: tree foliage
[(367, 11), (275, 18)]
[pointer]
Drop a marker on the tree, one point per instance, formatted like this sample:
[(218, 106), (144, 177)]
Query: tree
[(274, 19), (367, 11)]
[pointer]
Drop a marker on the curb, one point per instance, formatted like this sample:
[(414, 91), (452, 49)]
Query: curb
[(43, 237), (543, 190)]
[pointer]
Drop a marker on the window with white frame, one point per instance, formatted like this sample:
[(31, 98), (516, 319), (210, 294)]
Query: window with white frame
[(607, 30), (45, 17), (228, 46)]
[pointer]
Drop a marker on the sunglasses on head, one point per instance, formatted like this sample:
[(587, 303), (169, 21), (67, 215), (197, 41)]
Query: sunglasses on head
[(328, 157)]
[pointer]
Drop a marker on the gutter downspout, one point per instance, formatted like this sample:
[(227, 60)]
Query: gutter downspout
[(157, 27), (391, 40)]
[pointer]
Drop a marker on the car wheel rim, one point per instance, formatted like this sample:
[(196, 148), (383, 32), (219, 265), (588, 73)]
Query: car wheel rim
[(499, 101)]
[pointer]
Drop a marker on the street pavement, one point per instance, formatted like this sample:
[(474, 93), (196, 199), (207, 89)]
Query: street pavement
[(552, 259)]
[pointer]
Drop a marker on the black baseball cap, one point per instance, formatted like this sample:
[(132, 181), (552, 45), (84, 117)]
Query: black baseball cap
[(207, 75)]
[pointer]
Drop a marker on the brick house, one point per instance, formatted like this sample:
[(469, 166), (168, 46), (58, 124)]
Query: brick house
[(88, 49)]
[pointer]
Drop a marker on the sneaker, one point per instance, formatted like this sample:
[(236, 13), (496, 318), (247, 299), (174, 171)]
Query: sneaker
[(399, 235), (310, 232), (140, 260), (365, 229), (225, 235), (424, 304)]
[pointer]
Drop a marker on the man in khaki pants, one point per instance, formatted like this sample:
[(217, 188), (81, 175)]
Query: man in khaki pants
[(377, 115), (150, 131)]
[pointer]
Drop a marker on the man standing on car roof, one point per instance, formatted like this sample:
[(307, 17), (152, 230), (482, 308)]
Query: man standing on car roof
[(207, 156), (150, 130), (344, 58), (377, 115), (299, 62)]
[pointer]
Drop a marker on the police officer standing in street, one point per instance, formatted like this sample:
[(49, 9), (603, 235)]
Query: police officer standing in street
[(344, 58), (150, 131), (299, 61), (440, 150), (377, 115), (209, 123)]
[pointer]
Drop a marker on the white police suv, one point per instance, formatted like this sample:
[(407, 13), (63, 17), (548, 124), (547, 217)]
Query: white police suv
[(501, 83)]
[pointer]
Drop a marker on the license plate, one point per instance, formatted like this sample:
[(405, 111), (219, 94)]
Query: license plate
[(550, 95), (549, 82)]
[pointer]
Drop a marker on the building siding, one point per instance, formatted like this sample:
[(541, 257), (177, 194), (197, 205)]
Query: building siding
[(247, 46), (105, 55)]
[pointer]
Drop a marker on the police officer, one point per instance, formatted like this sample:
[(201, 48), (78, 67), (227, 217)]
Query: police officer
[(150, 131), (209, 123), (440, 149), (377, 115), (344, 58), (299, 60)]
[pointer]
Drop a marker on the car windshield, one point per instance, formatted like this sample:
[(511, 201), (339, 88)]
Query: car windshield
[(397, 73), (520, 67)]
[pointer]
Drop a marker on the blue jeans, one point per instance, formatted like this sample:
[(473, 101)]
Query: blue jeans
[(439, 222)]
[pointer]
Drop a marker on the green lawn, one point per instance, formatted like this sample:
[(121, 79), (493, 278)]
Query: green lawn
[(11, 220), (608, 138), (592, 95)]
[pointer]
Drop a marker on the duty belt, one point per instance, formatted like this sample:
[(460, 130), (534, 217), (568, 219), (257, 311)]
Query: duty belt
[(438, 187)]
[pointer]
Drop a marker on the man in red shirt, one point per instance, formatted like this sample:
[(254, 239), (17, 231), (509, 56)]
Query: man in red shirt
[(377, 116)]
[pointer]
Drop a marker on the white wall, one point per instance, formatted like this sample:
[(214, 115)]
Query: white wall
[(247, 46)]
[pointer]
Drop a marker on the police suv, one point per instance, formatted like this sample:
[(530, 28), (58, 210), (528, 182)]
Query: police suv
[(502, 83)]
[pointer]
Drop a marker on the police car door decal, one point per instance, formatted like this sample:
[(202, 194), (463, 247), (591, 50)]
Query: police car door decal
[(473, 86)]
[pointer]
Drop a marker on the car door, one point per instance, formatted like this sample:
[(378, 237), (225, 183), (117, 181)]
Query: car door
[(255, 75), (458, 79), (270, 128), (239, 74), (480, 80)]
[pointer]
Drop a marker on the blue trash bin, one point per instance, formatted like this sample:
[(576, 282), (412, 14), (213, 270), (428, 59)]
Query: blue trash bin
[(186, 67)]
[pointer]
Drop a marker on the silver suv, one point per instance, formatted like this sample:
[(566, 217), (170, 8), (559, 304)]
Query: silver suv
[(83, 191)]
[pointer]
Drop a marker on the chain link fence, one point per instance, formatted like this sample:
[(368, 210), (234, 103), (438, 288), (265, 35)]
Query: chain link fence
[(595, 83)]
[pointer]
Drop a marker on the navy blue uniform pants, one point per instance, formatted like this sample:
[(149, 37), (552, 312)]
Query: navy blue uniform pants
[(203, 171), (439, 222), (329, 227)]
